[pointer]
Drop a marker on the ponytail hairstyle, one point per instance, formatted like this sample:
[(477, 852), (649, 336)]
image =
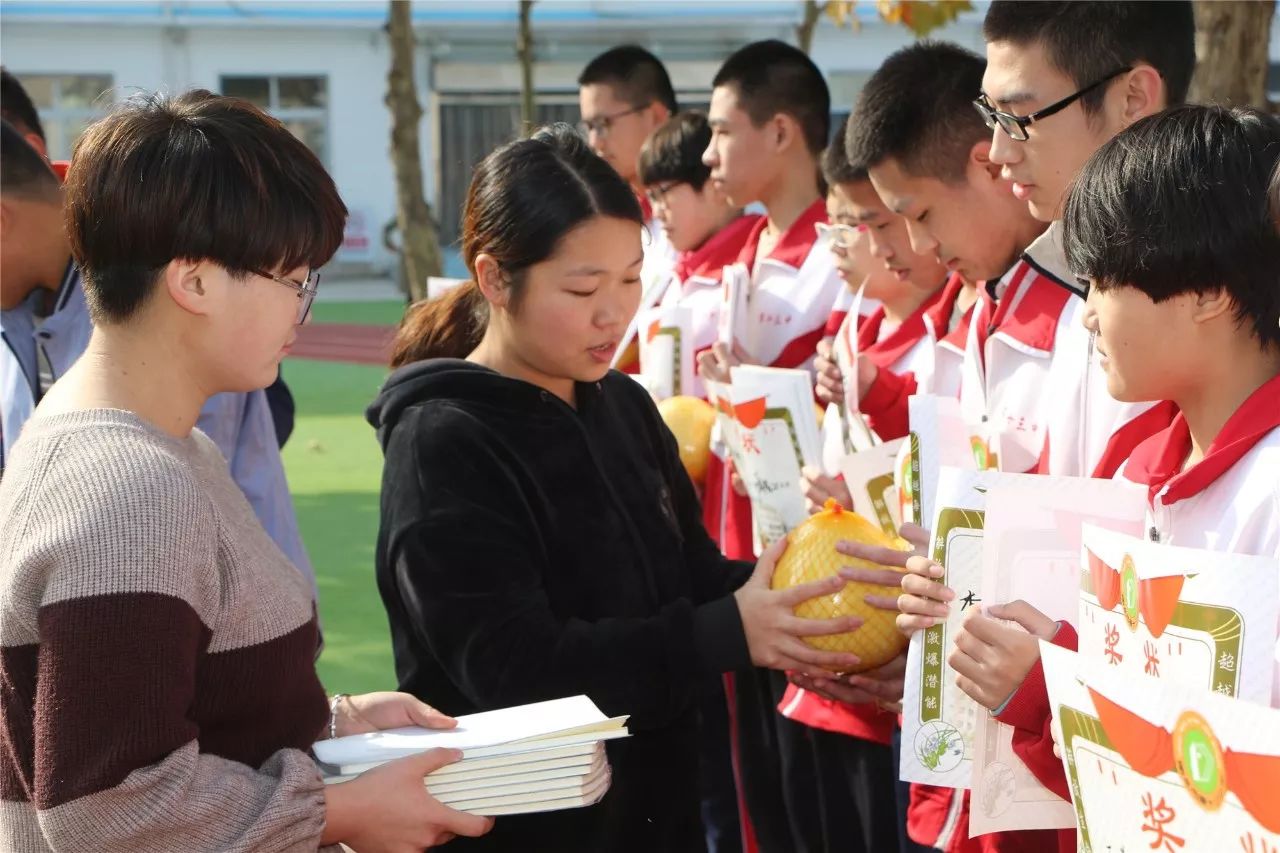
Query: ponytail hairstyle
[(523, 199)]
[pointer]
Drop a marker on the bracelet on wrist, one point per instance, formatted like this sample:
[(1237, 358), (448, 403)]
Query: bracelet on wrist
[(333, 712)]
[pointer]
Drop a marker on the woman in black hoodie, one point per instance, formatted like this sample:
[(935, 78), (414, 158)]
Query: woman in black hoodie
[(539, 537)]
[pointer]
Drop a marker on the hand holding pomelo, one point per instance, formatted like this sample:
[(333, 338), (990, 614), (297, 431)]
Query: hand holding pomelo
[(811, 555)]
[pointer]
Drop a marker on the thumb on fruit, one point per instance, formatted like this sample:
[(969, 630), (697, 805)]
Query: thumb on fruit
[(763, 574), (1035, 622)]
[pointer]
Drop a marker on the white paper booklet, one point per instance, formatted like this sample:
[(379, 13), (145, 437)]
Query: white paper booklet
[(666, 351), (1030, 551), (1206, 619), (1152, 765), (939, 436), (491, 733), (938, 719), (776, 431), (858, 434), (869, 477)]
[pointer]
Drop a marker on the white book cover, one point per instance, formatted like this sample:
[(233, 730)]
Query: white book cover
[(858, 434), (777, 434), (938, 719), (939, 436), (1030, 551), (1207, 619), (1155, 765), (478, 735), (666, 351), (869, 476)]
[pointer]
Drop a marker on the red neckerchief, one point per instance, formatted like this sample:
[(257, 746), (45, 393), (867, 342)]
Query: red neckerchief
[(1032, 319), (795, 243), (886, 353), (721, 248), (1157, 462), (646, 209)]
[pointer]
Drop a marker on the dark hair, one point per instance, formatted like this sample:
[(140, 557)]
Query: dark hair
[(918, 109), (673, 152), (772, 77), (197, 176), (837, 167), (1179, 203), (16, 106), (23, 172), (636, 75), (523, 199), (1089, 40)]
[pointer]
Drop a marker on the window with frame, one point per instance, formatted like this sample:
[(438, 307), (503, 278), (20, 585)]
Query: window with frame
[(67, 104), (301, 102)]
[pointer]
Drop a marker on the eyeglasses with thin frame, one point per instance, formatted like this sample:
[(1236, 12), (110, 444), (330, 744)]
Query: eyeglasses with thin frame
[(842, 235), (306, 290), (601, 125), (1016, 126), (657, 194)]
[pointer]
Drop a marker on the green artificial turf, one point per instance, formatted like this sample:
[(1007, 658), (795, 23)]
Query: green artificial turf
[(334, 466), (365, 313)]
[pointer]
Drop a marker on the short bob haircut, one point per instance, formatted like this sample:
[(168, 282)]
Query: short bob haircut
[(673, 152), (772, 77), (200, 177), (917, 109), (1180, 203)]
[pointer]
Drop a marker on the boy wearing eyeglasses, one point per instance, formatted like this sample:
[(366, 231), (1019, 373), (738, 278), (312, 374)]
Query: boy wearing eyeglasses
[(624, 95), (46, 328), (1062, 78), (706, 231)]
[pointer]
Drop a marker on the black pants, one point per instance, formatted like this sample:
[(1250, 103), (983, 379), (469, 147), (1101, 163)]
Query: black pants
[(715, 768), (775, 758), (858, 804)]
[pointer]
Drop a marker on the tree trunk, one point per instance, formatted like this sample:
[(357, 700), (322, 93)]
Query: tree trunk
[(524, 50), (804, 31), (1231, 48), (420, 246)]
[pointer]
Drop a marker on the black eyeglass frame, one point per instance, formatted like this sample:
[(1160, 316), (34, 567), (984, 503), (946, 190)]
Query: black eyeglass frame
[(603, 124), (1016, 126)]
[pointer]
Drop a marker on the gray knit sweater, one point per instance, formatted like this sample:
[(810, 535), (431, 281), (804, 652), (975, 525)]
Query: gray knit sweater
[(157, 684)]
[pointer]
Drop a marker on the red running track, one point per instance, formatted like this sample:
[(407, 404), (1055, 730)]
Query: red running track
[(347, 342)]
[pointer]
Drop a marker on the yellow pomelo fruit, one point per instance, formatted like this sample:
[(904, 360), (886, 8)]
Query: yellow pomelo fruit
[(690, 420), (811, 555)]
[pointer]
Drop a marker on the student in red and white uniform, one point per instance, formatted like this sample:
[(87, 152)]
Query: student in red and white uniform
[(769, 115), (928, 157), (696, 218), (625, 94), (852, 754)]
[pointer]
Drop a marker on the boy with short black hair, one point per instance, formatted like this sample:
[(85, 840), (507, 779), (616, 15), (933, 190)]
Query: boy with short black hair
[(770, 121), (707, 232), (625, 94)]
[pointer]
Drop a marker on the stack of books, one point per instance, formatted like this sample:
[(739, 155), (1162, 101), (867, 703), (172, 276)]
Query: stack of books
[(534, 758)]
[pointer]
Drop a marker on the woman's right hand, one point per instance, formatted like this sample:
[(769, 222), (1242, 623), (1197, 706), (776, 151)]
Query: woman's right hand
[(773, 630), (924, 601), (389, 810)]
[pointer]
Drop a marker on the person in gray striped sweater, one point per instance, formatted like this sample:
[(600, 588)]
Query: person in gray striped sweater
[(157, 684)]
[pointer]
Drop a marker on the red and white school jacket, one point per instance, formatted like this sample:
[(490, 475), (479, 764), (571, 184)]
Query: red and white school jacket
[(694, 283), (1228, 501), (922, 369), (792, 292), (1040, 389)]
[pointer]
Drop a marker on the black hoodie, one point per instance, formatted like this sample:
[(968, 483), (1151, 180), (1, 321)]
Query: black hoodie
[(529, 551)]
